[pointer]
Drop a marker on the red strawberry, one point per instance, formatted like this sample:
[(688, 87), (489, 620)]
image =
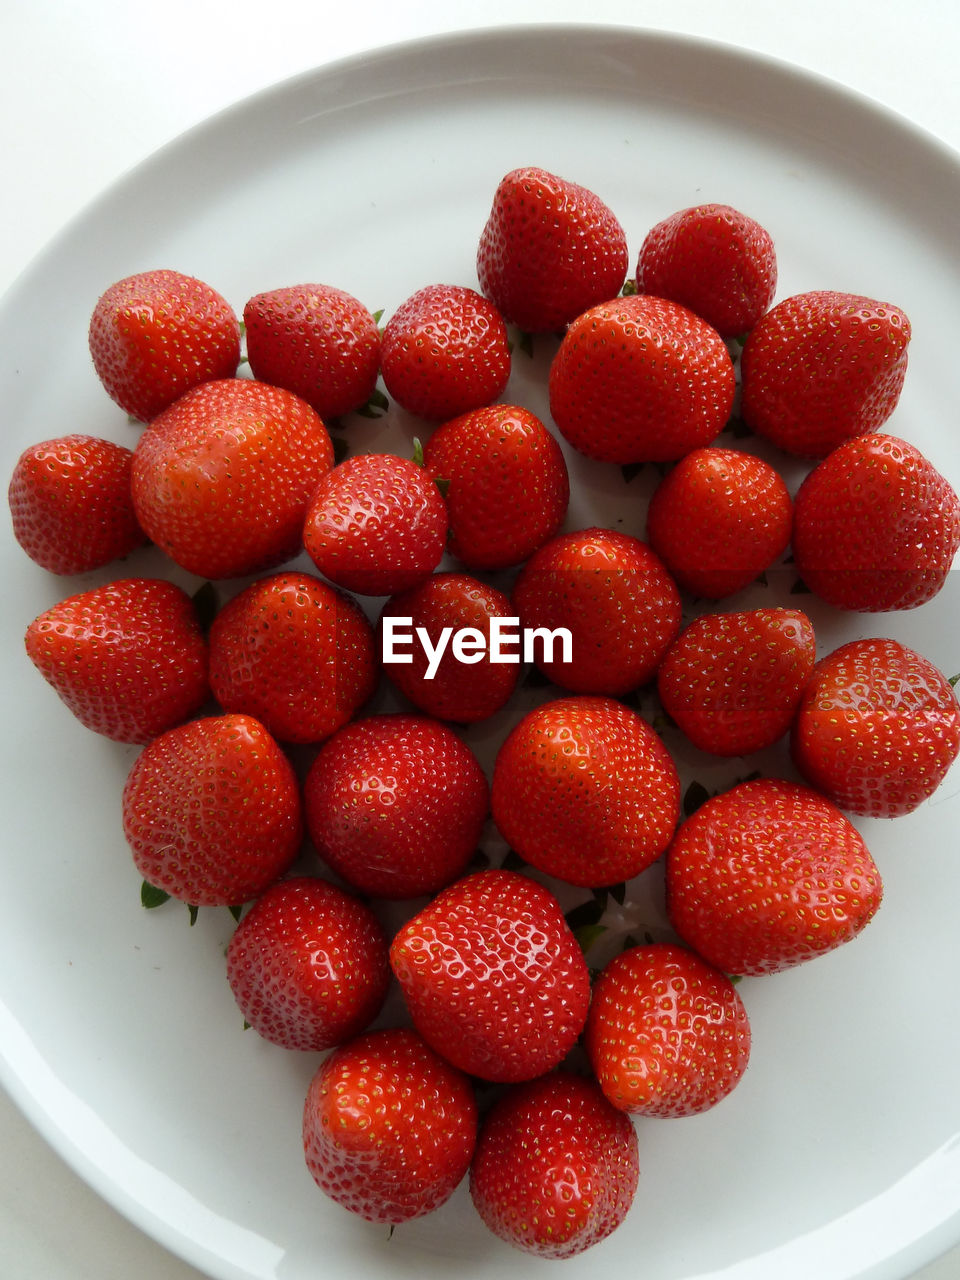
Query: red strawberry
[(550, 249), (294, 653), (667, 1034), (556, 1166), (308, 965), (223, 478), (129, 659), (615, 598), (395, 805), (316, 341), (389, 1127), (821, 368), (211, 811), (640, 379), (714, 260), (445, 352), (505, 482), (584, 790), (376, 524), (768, 875), (155, 335), (877, 728), (876, 526), (71, 506), (443, 685), (718, 520), (492, 976), (733, 681)]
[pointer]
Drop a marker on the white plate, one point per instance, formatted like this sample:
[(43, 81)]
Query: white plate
[(837, 1156)]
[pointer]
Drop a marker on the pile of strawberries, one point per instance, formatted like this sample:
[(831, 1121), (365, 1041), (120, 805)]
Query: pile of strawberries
[(233, 477)]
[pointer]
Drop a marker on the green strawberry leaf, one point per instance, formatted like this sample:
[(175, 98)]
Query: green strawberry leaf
[(375, 407), (378, 315), (443, 485), (513, 862), (206, 603), (694, 796), (800, 588), (586, 913), (954, 679), (588, 934), (236, 910), (194, 912), (629, 288), (151, 896), (737, 428), (417, 451), (340, 449), (631, 470), (524, 343), (618, 892)]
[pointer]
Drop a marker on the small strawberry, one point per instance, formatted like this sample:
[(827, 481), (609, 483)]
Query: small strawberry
[(556, 1166), (376, 524), (876, 526), (768, 875), (395, 804), (549, 250), (714, 260), (129, 659), (319, 342), (584, 789), (821, 368), (155, 335), (718, 519), (733, 681), (444, 352), (877, 728), (505, 482), (667, 1034), (222, 479), (211, 811), (640, 379), (492, 976), (308, 965), (389, 1127)]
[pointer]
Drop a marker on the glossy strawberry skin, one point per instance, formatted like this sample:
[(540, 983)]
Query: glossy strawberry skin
[(395, 804), (584, 790), (769, 875), (556, 1166), (640, 379), (823, 367), (222, 479), (877, 728), (294, 653), (211, 811), (389, 1127), (155, 335), (129, 659), (307, 965), (549, 250), (667, 1034), (492, 976), (876, 526)]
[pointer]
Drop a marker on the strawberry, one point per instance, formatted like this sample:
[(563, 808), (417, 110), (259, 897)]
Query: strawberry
[(492, 976), (714, 260), (71, 506), (505, 481), (211, 811), (667, 1034), (549, 250), (615, 598), (436, 680), (556, 1166), (389, 1127), (294, 653), (445, 352), (718, 519), (877, 728), (395, 804), (768, 875), (129, 659), (222, 479), (823, 367), (876, 526), (584, 790), (155, 335), (319, 342), (308, 965), (733, 681), (640, 379), (376, 524)]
